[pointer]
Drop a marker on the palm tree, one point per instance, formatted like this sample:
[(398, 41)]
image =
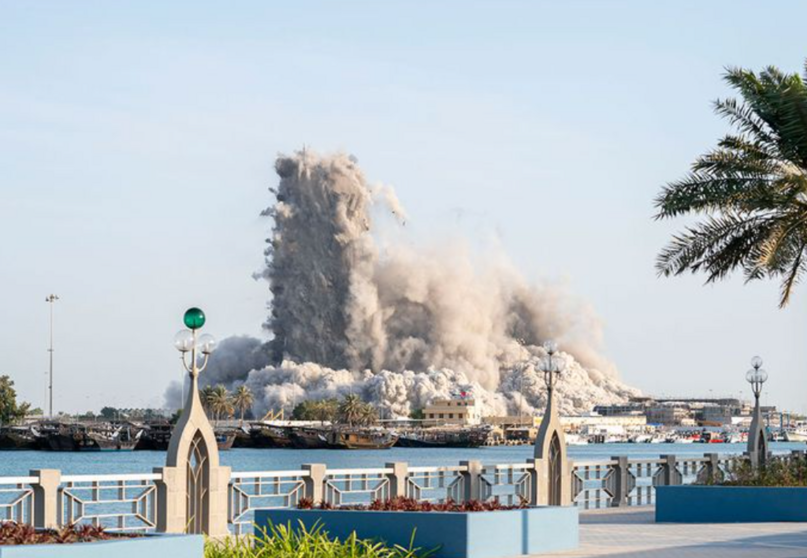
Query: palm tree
[(220, 402), (243, 400), (368, 415), (350, 409), (325, 410), (206, 395), (751, 189)]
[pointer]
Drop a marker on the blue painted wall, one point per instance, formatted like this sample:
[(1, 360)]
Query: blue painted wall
[(454, 535), (730, 504), (157, 546)]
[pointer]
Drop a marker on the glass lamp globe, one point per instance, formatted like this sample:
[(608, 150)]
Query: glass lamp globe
[(207, 343), (756, 362), (750, 376), (183, 341), (559, 364), (550, 346), (194, 318), (762, 376)]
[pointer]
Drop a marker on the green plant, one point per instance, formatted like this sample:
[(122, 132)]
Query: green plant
[(283, 541), (750, 190), (411, 504), (16, 534), (10, 410), (780, 471)]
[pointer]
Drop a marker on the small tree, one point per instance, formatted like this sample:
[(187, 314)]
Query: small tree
[(243, 400), (109, 413), (206, 395), (354, 411), (10, 410), (219, 402)]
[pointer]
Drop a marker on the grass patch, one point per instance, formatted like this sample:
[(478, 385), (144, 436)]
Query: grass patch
[(283, 541)]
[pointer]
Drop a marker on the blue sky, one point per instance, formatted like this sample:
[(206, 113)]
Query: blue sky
[(137, 141)]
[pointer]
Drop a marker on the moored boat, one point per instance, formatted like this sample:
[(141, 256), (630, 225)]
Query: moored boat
[(444, 437), (361, 438), (225, 439), (269, 436), (309, 438), (19, 438)]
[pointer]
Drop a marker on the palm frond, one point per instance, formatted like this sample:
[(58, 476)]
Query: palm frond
[(752, 189)]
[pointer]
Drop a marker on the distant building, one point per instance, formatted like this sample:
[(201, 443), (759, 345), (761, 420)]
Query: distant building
[(463, 411), (587, 423), (619, 410), (717, 414), (667, 414)]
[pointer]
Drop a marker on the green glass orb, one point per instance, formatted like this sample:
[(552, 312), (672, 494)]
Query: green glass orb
[(194, 318)]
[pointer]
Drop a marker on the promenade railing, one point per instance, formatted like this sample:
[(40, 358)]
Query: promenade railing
[(128, 502)]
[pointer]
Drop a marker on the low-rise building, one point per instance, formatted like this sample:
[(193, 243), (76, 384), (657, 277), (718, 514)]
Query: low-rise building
[(668, 415), (464, 411)]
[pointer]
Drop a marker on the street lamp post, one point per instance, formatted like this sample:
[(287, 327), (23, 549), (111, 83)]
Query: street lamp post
[(551, 366), (757, 440), (193, 493), (51, 299), (550, 445)]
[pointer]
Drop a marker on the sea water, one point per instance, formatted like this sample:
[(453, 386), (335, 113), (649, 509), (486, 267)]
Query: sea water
[(17, 463)]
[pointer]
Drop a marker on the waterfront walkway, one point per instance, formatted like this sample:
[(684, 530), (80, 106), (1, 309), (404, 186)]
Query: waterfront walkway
[(633, 533)]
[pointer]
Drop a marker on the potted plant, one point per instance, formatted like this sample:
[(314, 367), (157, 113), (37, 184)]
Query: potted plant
[(87, 541), (472, 529)]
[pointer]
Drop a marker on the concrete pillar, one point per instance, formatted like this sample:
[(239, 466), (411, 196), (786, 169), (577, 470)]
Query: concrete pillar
[(171, 499), (472, 476), (219, 501), (537, 475), (711, 472), (669, 474), (397, 479), (46, 498), (621, 483), (315, 482)]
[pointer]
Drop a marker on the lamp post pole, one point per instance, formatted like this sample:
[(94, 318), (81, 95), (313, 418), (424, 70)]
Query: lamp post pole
[(757, 440), (51, 299), (550, 445)]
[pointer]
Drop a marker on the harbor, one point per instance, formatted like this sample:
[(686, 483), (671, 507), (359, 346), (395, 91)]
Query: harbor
[(15, 463)]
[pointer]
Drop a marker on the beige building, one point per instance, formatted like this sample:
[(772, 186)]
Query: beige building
[(453, 411), (574, 423)]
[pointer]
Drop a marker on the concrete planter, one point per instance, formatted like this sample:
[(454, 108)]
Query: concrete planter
[(153, 546), (494, 534), (730, 504)]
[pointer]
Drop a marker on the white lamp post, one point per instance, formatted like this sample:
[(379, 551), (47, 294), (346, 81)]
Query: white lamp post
[(193, 492), (550, 445), (757, 441)]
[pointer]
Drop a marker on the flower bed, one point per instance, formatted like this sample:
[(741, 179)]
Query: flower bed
[(16, 534), (85, 541), (450, 530), (412, 505)]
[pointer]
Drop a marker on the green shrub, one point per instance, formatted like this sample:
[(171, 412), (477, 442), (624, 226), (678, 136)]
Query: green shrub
[(779, 471), (281, 541)]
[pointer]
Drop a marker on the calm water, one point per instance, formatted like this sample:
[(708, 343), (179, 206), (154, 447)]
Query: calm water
[(15, 463)]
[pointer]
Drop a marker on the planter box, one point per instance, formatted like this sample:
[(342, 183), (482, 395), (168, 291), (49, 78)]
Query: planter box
[(493, 534), (150, 546), (730, 504)]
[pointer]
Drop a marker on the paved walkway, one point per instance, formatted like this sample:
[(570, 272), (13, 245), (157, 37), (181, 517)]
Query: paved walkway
[(634, 534)]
